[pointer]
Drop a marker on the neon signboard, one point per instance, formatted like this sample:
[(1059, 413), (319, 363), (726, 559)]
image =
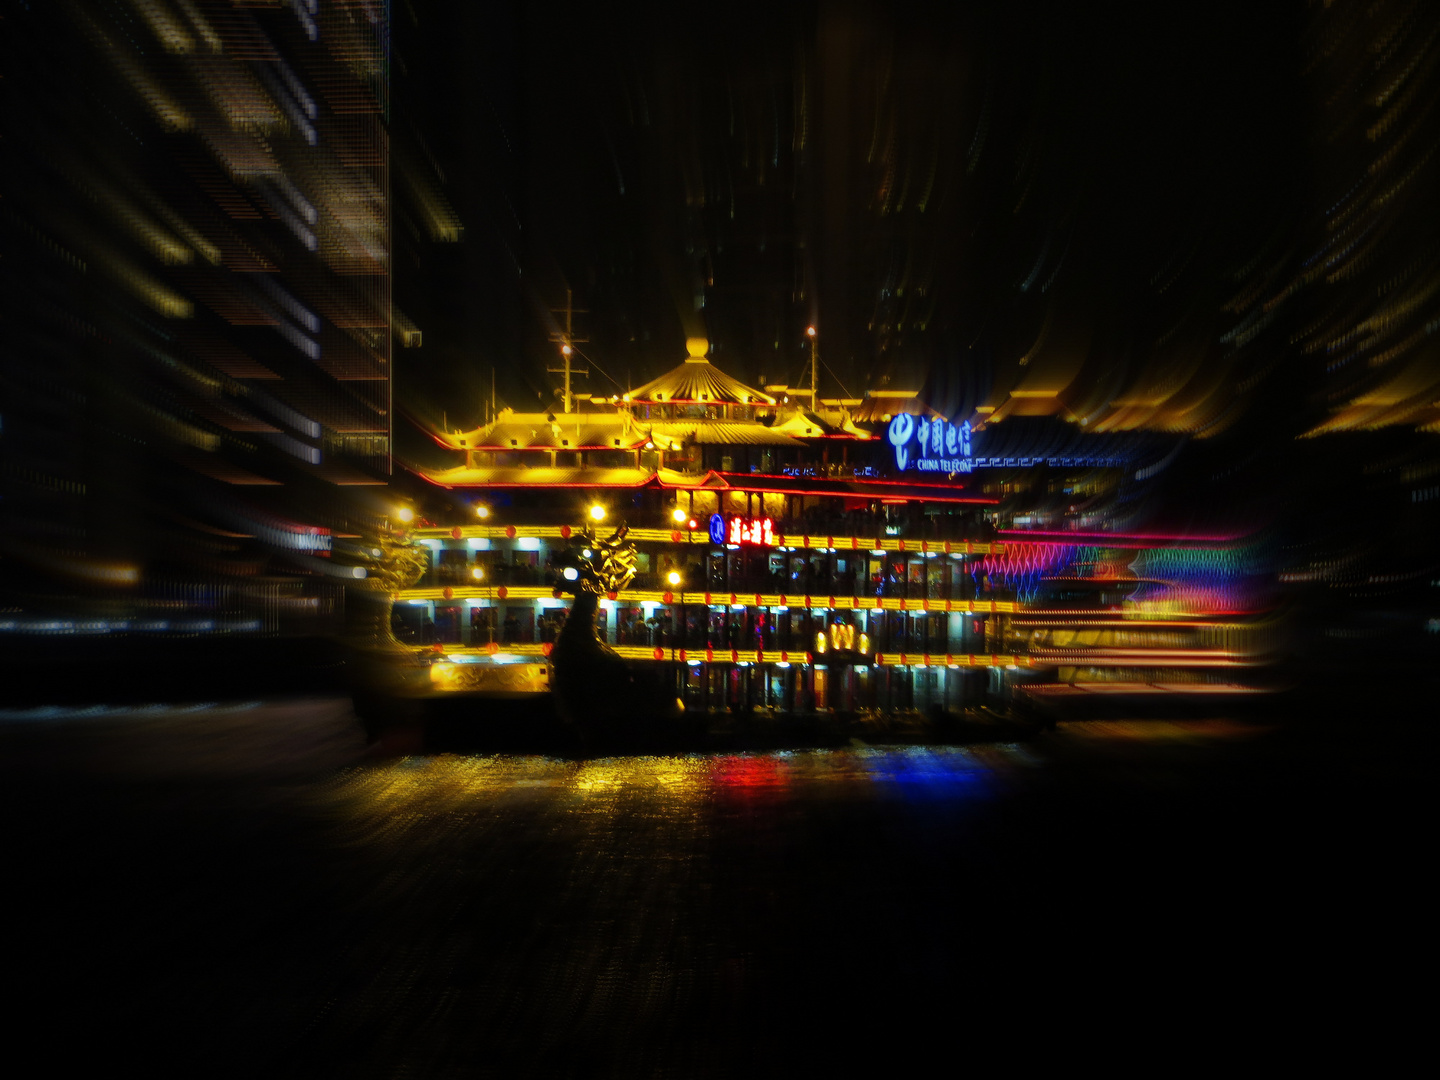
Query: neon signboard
[(842, 638), (739, 529), (930, 445)]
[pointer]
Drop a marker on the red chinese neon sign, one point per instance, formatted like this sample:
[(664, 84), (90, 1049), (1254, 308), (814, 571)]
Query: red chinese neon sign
[(747, 530)]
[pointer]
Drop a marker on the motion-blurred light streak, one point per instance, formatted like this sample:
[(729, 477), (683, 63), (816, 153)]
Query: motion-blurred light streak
[(163, 153)]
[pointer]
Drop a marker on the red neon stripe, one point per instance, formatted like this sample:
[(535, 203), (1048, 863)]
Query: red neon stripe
[(543, 449), (838, 480), (537, 485), (860, 494)]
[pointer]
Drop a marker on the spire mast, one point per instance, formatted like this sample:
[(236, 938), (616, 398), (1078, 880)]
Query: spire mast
[(814, 370), (567, 340)]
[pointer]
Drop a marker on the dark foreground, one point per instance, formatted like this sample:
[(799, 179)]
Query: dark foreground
[(237, 890)]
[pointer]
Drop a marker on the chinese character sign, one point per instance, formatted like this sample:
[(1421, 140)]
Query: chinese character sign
[(742, 530), (930, 445)]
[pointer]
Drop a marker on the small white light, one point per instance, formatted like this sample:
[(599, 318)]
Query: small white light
[(570, 573)]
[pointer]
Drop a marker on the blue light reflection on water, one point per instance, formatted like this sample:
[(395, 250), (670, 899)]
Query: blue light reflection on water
[(919, 773), (927, 779)]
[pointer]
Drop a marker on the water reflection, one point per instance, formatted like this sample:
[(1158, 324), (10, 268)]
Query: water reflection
[(527, 915), (425, 791)]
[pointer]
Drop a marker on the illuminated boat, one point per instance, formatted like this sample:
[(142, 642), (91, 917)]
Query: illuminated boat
[(792, 557), (784, 562)]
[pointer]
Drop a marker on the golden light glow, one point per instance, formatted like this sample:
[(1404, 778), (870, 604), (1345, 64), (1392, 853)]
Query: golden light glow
[(597, 512), (478, 574), (677, 514), (809, 331), (673, 577), (405, 514), (565, 349), (609, 565)]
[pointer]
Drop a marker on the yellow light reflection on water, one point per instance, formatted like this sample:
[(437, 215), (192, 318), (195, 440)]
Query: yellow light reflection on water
[(380, 801), (426, 787)]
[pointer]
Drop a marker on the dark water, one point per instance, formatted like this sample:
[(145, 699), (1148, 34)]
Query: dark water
[(234, 890)]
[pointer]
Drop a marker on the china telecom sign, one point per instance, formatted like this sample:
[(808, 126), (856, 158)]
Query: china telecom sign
[(930, 445)]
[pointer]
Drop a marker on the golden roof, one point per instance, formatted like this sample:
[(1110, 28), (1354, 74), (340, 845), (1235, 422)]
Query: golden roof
[(699, 381), (880, 405), (542, 476), (568, 477), (554, 431), (721, 433), (803, 423)]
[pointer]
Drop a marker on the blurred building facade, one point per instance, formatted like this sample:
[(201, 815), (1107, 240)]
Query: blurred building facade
[(197, 344)]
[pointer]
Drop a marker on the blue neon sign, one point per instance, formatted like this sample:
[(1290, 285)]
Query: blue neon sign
[(930, 445)]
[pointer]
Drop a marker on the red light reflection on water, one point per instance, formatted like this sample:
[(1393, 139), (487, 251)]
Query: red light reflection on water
[(749, 772)]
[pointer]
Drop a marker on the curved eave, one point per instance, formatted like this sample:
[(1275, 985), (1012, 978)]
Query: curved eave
[(671, 479), (518, 477), (540, 448), (545, 477)]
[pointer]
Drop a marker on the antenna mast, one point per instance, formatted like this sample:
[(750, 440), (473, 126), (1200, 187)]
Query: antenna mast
[(566, 340), (814, 370)]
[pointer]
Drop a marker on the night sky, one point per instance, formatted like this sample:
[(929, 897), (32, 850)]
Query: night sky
[(964, 195)]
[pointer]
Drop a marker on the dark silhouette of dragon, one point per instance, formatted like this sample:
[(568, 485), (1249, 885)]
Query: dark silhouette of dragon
[(593, 687)]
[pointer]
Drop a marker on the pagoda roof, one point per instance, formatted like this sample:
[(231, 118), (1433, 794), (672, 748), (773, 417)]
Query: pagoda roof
[(701, 382), (722, 433), (880, 405), (803, 423), (608, 430), (542, 476), (519, 476), (570, 477)]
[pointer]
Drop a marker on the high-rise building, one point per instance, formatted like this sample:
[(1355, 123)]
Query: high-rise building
[(197, 352)]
